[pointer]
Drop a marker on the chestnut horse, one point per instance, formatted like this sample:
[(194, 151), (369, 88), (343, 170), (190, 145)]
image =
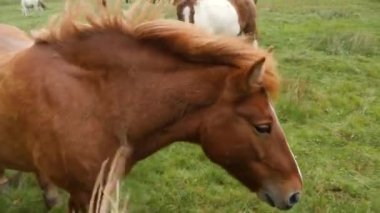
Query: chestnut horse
[(229, 17), (82, 90)]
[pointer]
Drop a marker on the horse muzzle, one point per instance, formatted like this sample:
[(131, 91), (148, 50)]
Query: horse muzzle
[(283, 197)]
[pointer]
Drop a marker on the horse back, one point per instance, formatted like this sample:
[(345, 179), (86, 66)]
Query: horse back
[(13, 39)]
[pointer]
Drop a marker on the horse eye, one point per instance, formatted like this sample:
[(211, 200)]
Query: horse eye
[(263, 128)]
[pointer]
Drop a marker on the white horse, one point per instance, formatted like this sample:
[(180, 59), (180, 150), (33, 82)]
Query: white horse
[(27, 5), (228, 17)]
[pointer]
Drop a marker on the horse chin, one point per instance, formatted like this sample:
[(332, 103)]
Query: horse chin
[(271, 200), (264, 197)]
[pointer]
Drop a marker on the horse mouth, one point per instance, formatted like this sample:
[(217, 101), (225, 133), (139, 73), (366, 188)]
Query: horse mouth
[(269, 200)]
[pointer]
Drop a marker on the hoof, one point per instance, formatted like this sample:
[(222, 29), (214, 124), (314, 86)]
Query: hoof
[(14, 181), (51, 198), (3, 180), (51, 202)]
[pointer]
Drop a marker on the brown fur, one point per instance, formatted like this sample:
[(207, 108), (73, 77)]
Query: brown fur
[(246, 10), (181, 4), (13, 39), (67, 102)]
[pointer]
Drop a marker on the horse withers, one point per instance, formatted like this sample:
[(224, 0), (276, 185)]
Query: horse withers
[(228, 17), (66, 107)]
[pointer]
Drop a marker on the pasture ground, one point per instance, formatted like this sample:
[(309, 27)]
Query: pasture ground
[(329, 57)]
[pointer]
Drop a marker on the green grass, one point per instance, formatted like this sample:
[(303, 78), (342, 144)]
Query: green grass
[(329, 57)]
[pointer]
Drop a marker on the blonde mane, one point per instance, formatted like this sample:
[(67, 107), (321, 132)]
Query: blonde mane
[(144, 21)]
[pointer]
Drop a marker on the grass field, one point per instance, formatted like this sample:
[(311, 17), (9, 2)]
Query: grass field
[(329, 57)]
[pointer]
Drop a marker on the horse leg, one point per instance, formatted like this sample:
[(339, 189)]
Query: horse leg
[(255, 44), (252, 30), (3, 179), (185, 11), (104, 3), (50, 192), (251, 36), (24, 10), (13, 181), (41, 6)]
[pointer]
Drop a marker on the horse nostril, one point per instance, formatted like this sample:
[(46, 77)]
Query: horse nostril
[(294, 198)]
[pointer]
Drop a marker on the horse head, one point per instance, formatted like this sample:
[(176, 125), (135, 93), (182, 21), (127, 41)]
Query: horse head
[(243, 135)]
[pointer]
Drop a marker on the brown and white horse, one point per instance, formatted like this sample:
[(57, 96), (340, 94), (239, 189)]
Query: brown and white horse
[(229, 17), (66, 107), (27, 5)]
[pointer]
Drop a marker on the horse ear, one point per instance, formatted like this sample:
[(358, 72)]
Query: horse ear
[(256, 73), (241, 83)]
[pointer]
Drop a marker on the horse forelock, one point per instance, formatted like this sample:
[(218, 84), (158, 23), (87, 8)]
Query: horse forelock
[(144, 21)]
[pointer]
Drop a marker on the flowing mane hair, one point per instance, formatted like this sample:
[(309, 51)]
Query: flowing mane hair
[(145, 22)]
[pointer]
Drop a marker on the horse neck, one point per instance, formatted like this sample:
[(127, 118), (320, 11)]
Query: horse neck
[(165, 97), (180, 118)]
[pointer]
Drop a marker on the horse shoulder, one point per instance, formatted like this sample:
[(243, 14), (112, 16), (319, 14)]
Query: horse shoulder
[(57, 102)]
